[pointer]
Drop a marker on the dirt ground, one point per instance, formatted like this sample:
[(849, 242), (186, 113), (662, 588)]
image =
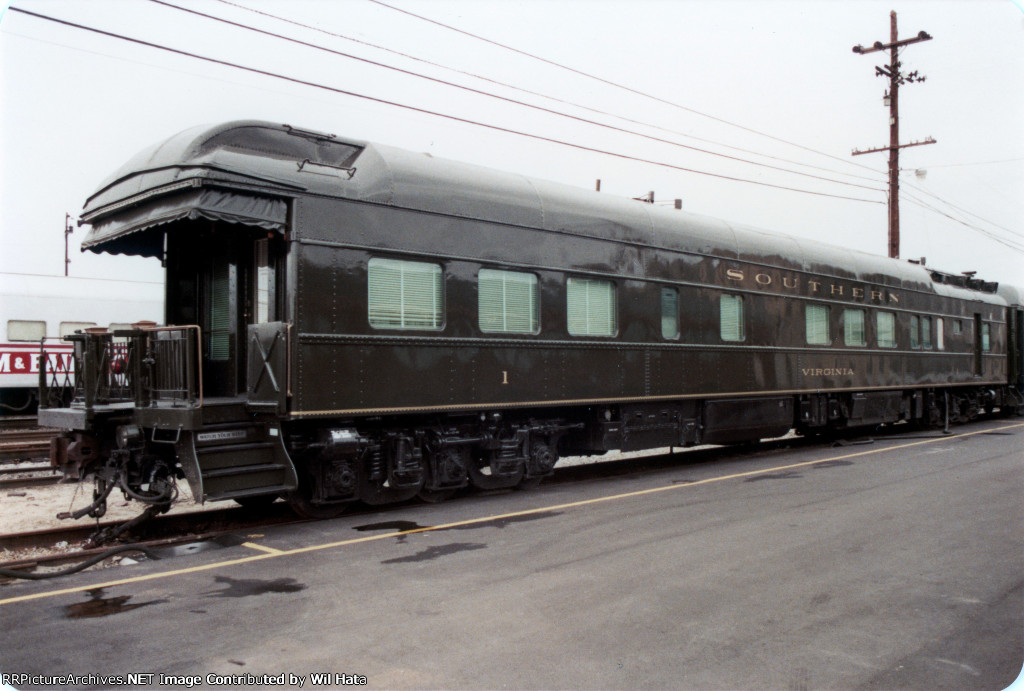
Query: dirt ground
[(35, 508)]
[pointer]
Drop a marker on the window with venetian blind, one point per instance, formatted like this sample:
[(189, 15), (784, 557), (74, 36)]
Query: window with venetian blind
[(508, 302), (816, 319), (591, 307), (405, 295)]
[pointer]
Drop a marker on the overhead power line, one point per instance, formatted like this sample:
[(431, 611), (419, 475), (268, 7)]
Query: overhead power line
[(426, 111), (614, 84), (965, 211), (977, 163), (479, 92), (1008, 243), (548, 97)]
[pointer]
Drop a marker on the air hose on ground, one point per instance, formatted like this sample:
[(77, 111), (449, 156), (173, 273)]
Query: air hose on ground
[(14, 573)]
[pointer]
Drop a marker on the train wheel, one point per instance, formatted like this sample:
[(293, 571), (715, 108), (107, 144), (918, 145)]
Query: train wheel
[(541, 462), (304, 508), (377, 492), (481, 477), (436, 496), (445, 474), (301, 502)]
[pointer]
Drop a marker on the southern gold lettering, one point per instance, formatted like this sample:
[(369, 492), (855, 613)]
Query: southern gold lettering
[(792, 283)]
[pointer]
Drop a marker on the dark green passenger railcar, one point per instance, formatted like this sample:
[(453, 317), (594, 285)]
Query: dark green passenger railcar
[(352, 321)]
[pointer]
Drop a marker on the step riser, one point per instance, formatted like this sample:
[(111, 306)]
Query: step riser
[(236, 460)]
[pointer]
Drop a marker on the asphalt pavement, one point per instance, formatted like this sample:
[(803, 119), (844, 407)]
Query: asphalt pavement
[(893, 562)]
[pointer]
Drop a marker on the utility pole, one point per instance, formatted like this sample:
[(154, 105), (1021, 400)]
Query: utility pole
[(68, 229), (892, 71)]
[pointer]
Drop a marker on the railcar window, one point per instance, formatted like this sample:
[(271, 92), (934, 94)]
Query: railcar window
[(853, 328), (816, 317), (958, 326), (222, 284), (68, 328), (509, 302), (405, 295), (885, 323), (669, 313), (986, 336), (23, 330), (730, 313), (591, 307), (939, 340), (264, 282), (915, 331), (926, 332)]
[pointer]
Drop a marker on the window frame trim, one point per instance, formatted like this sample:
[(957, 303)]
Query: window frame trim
[(443, 297)]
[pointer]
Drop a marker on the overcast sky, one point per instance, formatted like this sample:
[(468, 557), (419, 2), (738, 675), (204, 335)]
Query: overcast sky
[(773, 83)]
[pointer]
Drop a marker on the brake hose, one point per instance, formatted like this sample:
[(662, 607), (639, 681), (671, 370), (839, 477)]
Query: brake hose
[(14, 573)]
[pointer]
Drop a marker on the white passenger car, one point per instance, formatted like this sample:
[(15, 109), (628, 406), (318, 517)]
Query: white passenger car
[(35, 307)]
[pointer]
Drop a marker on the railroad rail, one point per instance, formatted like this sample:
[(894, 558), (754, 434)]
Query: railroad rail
[(183, 530), (17, 422), (163, 531), (195, 529), (24, 454)]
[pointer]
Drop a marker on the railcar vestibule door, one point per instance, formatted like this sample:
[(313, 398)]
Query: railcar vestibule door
[(224, 277)]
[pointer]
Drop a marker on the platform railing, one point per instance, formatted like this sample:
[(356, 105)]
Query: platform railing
[(146, 365), (172, 367)]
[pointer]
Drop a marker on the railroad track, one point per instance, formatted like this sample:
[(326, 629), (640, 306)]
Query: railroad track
[(214, 526), (25, 443), (64, 545), (24, 453), (222, 526), (17, 422)]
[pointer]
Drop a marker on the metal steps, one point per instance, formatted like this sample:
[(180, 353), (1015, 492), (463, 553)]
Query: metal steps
[(236, 460)]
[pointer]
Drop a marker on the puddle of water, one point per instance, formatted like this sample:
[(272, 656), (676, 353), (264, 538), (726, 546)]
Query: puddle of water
[(832, 464), (218, 542), (784, 475), (397, 526), (99, 606), (245, 587), (436, 552), (505, 522)]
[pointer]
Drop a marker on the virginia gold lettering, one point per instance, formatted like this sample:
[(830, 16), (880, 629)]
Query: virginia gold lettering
[(876, 295), (814, 285), (734, 274), (790, 282), (827, 371), (858, 292), (837, 290), (894, 298), (763, 279)]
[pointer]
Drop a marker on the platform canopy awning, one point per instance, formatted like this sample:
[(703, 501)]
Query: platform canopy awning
[(135, 230)]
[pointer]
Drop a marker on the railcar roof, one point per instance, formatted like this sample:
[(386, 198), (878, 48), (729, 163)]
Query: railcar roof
[(280, 161)]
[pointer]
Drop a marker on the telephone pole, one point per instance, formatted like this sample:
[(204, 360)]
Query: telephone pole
[(892, 71), (68, 229)]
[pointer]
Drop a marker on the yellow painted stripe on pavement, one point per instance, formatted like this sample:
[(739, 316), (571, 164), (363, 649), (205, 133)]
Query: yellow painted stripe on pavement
[(261, 548), (274, 554)]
